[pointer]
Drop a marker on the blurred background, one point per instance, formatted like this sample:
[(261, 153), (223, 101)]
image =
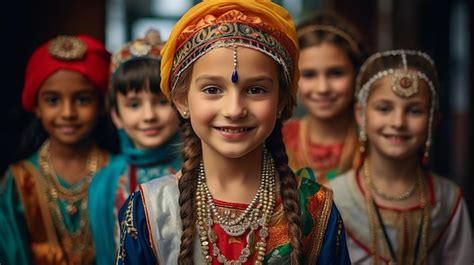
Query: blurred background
[(443, 29)]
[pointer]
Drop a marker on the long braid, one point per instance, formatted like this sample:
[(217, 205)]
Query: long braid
[(288, 192), (191, 154)]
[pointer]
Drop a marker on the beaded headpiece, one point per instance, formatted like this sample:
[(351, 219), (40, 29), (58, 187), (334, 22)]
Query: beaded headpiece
[(148, 47), (405, 81), (260, 25)]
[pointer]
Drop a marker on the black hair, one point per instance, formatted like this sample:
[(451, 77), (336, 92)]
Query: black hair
[(135, 75)]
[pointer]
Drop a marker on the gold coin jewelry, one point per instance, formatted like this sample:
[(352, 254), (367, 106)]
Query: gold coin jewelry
[(257, 214), (77, 241)]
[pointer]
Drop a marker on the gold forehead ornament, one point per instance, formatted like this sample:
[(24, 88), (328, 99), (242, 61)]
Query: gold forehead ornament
[(405, 83), (67, 48)]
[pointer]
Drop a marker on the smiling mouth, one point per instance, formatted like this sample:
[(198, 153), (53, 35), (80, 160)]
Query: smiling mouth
[(396, 137), (234, 130)]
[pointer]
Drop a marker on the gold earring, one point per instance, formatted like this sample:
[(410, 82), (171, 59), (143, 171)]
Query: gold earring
[(279, 114), (185, 114)]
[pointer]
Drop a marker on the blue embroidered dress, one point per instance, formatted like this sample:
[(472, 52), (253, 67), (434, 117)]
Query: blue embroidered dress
[(151, 227), (114, 183)]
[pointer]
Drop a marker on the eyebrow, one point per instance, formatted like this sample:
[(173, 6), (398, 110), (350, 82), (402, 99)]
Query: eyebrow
[(260, 78)]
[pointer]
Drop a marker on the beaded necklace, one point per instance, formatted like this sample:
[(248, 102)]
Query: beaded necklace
[(257, 214)]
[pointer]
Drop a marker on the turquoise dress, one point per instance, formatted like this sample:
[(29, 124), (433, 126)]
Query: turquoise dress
[(113, 184), (35, 226)]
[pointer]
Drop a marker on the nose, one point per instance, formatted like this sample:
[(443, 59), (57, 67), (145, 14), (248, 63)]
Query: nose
[(149, 113), (398, 119), (68, 110), (234, 107), (322, 85)]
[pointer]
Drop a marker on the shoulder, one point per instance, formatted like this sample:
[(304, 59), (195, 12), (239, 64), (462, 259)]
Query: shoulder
[(445, 194), (291, 125), (290, 131), (445, 197), (23, 171), (343, 182), (167, 183)]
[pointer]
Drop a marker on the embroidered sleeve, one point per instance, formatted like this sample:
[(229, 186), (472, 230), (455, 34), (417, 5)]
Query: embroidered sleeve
[(134, 247), (334, 249)]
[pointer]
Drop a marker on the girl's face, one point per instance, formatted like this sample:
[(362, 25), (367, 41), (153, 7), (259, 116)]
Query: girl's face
[(68, 107), (233, 119), (147, 118), (326, 81), (396, 127)]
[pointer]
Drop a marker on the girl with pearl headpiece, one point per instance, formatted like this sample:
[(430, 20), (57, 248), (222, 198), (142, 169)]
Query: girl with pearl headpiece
[(229, 67), (395, 210), (325, 139)]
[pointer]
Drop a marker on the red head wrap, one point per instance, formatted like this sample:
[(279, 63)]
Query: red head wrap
[(80, 53)]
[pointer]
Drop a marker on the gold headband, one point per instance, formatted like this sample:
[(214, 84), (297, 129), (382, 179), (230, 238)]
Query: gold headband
[(330, 29)]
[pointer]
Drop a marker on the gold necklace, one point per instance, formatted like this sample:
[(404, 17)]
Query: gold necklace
[(253, 218), (70, 195), (75, 243), (401, 197), (371, 212)]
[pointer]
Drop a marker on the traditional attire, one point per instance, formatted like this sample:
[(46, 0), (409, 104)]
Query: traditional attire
[(450, 235), (43, 219), (150, 220), (328, 161), (153, 213), (38, 226), (114, 183)]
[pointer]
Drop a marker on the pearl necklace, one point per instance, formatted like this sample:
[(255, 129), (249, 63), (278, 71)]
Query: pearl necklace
[(257, 214)]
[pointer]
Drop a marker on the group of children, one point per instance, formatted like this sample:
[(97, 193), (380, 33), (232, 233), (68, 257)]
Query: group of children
[(238, 184)]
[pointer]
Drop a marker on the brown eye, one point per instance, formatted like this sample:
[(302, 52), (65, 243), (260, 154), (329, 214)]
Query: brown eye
[(212, 90), (308, 74), (255, 90)]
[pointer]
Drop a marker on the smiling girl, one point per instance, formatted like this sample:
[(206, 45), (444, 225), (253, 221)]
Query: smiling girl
[(43, 199), (229, 68), (325, 139), (395, 210)]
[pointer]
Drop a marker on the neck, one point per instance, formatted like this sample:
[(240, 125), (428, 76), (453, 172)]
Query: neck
[(69, 151), (228, 179), (388, 170), (331, 131)]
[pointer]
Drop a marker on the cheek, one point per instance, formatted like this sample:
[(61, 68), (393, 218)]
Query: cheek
[(304, 86), (343, 86)]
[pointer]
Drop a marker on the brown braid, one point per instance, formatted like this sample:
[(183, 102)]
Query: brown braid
[(191, 154), (288, 191)]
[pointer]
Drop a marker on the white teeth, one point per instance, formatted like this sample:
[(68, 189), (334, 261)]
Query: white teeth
[(228, 130)]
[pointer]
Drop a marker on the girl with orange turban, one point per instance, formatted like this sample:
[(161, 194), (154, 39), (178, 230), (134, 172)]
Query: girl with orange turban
[(229, 67)]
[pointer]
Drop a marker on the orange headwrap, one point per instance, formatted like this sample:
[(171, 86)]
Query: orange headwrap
[(256, 24), (80, 53)]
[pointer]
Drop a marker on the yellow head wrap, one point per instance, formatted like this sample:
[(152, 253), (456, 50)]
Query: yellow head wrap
[(257, 24)]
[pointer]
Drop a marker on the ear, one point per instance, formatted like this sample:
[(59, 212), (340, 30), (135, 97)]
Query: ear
[(358, 114), (116, 118), (37, 112), (182, 105)]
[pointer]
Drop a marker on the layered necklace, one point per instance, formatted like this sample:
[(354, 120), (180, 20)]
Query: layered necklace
[(75, 242), (256, 215), (376, 220)]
